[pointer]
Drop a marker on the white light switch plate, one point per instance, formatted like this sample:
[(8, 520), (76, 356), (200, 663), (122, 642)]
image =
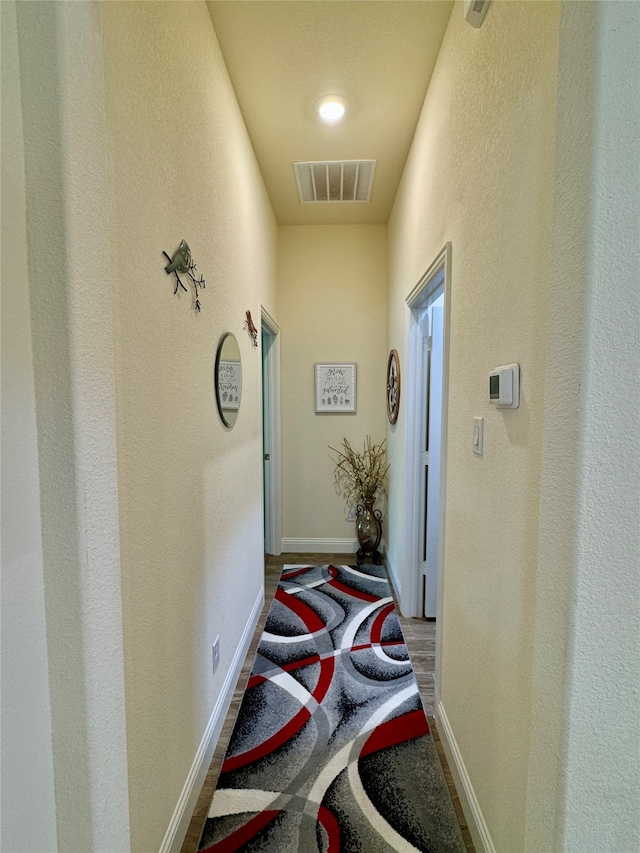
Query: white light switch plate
[(478, 436)]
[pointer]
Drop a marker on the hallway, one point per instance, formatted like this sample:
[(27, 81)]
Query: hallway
[(420, 638), (132, 511)]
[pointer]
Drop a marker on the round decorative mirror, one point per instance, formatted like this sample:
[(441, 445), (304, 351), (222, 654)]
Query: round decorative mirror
[(228, 379), (393, 386)]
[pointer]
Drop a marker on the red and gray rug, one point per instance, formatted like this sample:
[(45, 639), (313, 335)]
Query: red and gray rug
[(331, 752)]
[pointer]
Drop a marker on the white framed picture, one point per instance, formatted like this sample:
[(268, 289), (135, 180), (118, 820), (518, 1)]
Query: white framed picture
[(335, 388)]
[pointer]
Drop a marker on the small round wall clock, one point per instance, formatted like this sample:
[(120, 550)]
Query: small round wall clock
[(393, 386)]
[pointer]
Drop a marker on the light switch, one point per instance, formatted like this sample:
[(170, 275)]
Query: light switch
[(478, 435)]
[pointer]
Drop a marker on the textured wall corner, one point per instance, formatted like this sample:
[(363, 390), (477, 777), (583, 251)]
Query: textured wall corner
[(603, 773)]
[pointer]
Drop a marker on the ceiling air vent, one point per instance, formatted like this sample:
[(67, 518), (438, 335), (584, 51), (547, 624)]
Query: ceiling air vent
[(475, 10), (335, 180)]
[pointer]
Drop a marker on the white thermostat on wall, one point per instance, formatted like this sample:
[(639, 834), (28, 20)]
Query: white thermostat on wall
[(504, 386)]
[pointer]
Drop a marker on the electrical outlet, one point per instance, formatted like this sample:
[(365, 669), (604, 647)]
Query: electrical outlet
[(216, 653), (351, 514)]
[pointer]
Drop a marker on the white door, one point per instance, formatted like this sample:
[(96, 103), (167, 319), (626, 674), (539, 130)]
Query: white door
[(270, 341), (266, 439), (431, 436), (429, 305)]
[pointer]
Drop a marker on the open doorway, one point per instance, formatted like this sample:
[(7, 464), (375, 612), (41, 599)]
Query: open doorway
[(431, 324), (271, 434), (428, 373)]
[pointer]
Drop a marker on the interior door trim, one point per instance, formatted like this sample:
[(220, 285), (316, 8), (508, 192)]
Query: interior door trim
[(273, 531), (438, 273)]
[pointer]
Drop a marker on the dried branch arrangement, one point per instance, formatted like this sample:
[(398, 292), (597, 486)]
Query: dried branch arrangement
[(360, 476)]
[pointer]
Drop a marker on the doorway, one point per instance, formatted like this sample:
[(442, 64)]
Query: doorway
[(270, 341), (431, 324), (428, 375)]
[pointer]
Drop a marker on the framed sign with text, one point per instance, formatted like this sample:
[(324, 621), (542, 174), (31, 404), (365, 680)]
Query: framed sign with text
[(335, 388), (230, 384)]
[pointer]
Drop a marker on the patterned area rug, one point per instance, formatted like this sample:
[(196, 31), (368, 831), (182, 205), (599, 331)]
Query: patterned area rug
[(331, 751)]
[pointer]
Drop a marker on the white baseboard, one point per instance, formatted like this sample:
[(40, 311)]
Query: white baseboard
[(468, 800), (319, 546), (179, 823), (393, 574)]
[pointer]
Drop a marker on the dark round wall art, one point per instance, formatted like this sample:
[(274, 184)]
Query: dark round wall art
[(393, 386)]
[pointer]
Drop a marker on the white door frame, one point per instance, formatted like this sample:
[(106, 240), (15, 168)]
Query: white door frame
[(271, 413), (431, 436), (438, 273)]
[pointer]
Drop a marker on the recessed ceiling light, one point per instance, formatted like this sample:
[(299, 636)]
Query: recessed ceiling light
[(331, 108)]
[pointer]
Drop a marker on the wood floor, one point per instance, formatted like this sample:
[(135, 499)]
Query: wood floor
[(420, 635)]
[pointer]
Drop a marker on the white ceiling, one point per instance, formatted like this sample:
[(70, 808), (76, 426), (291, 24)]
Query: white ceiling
[(282, 55)]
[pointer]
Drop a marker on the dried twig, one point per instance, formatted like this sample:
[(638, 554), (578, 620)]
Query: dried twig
[(360, 476)]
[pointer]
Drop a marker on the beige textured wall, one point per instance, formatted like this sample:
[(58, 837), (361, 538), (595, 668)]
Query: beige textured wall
[(332, 301), (480, 174), (27, 754), (61, 79), (555, 596), (602, 774), (181, 166)]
